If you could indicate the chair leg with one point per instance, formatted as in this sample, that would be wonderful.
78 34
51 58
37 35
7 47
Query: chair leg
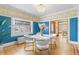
48 52
54 43
75 49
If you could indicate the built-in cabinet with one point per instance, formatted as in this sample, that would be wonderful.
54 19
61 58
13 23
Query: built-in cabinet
20 27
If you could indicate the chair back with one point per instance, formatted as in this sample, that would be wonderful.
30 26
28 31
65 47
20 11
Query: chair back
42 44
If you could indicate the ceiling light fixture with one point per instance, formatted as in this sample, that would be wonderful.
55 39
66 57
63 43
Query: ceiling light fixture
40 8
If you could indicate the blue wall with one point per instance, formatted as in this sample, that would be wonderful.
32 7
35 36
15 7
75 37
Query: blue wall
47 30
5 30
74 29
35 27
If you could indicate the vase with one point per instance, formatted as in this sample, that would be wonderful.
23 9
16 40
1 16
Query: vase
41 32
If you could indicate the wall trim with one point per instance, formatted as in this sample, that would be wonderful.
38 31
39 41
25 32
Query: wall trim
49 15
72 42
21 19
31 26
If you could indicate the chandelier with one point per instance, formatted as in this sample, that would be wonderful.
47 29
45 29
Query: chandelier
40 8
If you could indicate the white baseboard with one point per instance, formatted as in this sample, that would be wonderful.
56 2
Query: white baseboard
8 44
72 42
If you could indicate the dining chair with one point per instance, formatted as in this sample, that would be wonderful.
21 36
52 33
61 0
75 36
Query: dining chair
78 49
29 44
42 45
53 41
75 48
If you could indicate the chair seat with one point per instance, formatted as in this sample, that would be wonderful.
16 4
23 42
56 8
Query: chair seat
42 44
43 47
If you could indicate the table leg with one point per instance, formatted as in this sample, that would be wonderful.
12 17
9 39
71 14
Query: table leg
34 45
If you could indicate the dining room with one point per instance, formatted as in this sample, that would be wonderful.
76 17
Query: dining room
39 29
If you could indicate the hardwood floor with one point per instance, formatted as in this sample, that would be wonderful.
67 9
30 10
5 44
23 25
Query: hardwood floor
62 48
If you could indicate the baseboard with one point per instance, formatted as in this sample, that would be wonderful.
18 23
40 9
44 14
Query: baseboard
72 42
8 44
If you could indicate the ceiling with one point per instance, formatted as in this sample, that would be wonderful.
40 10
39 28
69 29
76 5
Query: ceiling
51 8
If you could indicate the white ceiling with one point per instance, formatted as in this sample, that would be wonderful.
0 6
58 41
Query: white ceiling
51 8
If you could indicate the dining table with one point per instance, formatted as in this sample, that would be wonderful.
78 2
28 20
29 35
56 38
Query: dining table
41 37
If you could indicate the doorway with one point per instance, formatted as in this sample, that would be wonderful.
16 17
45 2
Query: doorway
60 28
63 31
55 27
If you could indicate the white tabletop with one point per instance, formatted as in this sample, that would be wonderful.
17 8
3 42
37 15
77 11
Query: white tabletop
38 36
